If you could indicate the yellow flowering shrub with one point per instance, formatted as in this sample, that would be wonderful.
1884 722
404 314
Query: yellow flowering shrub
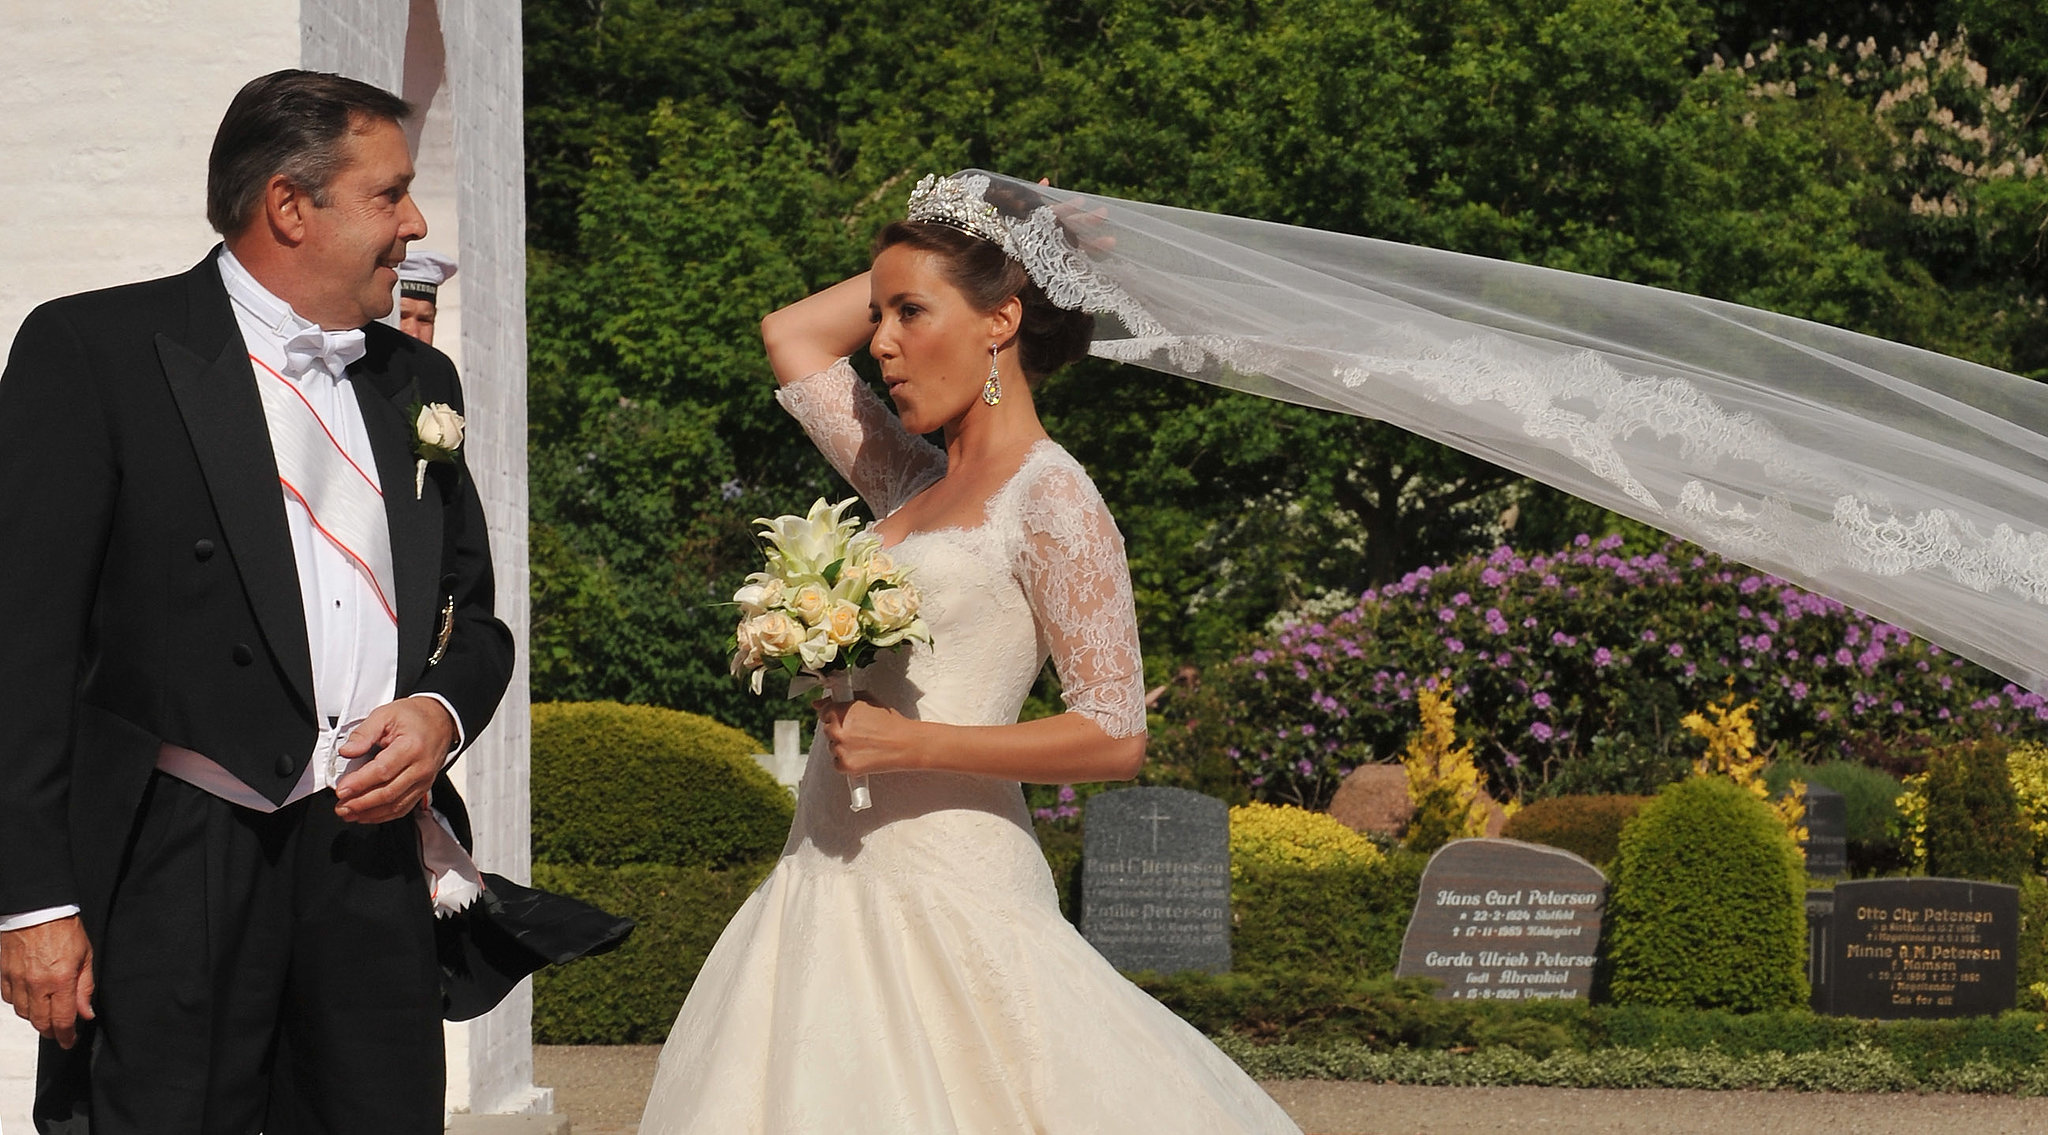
1913 818
1444 783
1731 752
2027 764
1280 835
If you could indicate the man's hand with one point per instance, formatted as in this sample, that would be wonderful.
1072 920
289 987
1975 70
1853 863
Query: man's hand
411 738
46 974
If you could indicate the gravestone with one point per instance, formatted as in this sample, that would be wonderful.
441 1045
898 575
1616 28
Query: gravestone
1922 948
1155 879
1827 832
1504 920
1820 932
786 763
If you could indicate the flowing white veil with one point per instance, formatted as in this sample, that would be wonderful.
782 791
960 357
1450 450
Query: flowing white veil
1904 483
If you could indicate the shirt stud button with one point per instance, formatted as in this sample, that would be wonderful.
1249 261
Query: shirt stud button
202 551
243 655
285 764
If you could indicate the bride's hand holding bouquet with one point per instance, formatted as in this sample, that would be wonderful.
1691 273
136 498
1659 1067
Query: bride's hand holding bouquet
827 600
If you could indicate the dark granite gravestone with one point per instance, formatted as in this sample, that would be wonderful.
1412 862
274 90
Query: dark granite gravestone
1827 832
1503 920
1922 948
1155 879
1820 932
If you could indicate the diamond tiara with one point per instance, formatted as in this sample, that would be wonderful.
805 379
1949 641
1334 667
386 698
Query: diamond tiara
957 202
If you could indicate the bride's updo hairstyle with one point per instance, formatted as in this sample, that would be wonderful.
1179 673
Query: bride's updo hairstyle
1048 337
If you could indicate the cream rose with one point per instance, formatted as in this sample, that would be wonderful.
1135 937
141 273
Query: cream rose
842 623
810 603
773 635
439 426
892 608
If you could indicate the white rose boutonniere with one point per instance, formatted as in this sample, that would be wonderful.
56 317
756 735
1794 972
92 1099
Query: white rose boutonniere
436 436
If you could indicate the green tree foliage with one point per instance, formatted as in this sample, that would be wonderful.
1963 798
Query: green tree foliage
694 166
1707 909
1974 826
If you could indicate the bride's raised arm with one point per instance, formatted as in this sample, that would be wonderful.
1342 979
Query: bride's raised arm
807 344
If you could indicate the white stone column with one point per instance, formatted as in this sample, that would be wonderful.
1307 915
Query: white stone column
494 1056
459 61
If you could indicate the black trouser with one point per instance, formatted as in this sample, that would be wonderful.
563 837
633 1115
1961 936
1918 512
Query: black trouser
270 973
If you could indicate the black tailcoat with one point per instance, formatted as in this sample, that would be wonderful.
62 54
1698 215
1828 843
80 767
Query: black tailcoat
148 591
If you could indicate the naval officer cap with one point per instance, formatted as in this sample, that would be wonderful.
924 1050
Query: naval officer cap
423 273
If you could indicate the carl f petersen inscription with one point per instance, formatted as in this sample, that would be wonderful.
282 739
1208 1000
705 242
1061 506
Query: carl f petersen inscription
1923 948
1155 879
1503 920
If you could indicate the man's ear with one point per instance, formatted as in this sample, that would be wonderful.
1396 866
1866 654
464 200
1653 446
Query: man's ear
285 206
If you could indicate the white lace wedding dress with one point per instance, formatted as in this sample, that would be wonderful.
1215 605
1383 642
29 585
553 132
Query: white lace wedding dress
906 969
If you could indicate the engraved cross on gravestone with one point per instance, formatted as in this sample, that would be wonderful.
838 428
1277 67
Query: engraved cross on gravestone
1155 879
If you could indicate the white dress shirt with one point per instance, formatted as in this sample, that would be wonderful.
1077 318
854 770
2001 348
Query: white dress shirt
353 640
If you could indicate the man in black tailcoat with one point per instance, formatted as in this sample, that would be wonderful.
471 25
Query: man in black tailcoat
245 623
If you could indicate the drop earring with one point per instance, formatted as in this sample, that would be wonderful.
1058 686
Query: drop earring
992 390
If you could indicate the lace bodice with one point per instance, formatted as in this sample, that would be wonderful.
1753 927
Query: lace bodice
1043 575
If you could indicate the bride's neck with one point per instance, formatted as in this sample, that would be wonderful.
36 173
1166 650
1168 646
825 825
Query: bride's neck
993 434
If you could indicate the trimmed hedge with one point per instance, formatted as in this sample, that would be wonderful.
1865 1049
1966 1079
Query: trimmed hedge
1587 826
1707 908
616 784
632 995
1318 1010
1851 1070
1343 918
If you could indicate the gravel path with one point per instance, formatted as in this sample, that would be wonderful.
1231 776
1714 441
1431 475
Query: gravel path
601 1090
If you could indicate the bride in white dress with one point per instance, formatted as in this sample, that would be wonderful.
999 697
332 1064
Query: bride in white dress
906 969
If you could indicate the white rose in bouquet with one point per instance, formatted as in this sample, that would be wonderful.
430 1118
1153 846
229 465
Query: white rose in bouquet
892 609
762 594
810 603
842 623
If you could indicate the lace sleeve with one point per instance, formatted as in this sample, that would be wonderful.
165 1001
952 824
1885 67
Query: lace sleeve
1080 588
884 462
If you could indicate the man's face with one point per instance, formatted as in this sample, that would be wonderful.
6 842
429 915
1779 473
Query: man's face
416 318
354 243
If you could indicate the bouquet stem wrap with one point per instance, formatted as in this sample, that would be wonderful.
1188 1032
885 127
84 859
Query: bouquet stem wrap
839 683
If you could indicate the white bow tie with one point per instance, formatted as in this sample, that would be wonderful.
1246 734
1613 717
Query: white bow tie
333 350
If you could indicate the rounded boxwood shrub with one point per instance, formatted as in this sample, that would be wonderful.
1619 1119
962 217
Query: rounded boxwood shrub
1277 835
617 784
1587 826
1708 904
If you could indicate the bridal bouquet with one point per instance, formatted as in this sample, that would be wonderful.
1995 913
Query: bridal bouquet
830 597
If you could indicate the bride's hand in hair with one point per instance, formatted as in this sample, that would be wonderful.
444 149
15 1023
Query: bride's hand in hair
1082 225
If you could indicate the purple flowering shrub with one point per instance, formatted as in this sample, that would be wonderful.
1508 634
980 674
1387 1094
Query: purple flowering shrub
1570 672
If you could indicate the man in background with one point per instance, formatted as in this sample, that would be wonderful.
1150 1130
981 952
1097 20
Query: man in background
419 283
